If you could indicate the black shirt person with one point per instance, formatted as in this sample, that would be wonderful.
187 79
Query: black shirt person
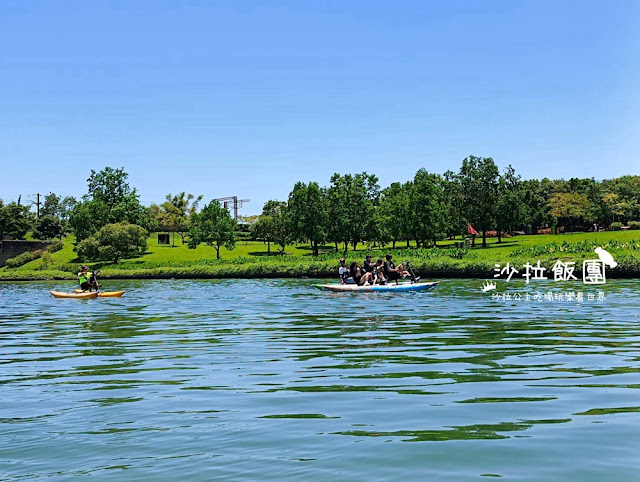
359 275
368 265
393 272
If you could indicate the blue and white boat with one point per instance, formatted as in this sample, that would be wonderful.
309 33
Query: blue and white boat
426 286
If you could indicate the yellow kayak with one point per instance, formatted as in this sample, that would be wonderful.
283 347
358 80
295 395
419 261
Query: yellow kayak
105 294
83 295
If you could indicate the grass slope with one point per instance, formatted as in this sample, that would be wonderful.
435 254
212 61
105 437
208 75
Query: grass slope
250 258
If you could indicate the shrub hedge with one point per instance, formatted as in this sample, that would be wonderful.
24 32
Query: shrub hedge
29 256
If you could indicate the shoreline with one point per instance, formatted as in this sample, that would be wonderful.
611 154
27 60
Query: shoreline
166 275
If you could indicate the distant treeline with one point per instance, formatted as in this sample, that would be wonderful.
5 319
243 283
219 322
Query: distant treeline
351 209
431 206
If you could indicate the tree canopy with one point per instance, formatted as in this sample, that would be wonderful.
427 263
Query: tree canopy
271 225
114 241
109 200
213 226
15 220
307 215
174 214
350 210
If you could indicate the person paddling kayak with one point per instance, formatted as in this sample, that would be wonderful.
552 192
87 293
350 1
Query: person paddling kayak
87 279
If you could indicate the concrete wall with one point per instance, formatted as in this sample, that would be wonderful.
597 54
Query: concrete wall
11 249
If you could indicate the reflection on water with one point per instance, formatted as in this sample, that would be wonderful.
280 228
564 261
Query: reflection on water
274 379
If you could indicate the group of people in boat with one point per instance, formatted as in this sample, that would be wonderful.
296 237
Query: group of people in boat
373 273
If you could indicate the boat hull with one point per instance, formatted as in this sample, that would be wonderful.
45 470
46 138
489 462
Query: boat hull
380 288
106 294
80 296
110 294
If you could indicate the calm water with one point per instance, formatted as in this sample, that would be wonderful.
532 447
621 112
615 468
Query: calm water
276 380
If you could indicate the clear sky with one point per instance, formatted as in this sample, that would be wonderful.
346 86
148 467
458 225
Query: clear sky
245 98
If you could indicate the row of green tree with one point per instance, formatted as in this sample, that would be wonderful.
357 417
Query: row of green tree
110 222
351 209
17 219
431 206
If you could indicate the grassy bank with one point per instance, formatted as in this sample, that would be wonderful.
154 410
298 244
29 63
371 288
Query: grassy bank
250 259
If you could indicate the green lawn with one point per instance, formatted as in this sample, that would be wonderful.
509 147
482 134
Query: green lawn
250 257
510 244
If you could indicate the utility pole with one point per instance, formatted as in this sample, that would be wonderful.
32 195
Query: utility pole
37 203
236 202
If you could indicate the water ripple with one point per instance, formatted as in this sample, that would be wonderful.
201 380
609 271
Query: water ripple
274 379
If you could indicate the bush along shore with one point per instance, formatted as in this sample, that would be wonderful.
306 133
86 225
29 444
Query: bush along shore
429 263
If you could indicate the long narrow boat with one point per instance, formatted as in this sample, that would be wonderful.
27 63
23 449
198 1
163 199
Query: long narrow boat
428 286
106 294
87 295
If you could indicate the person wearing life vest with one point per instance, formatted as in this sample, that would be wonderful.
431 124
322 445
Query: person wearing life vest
87 279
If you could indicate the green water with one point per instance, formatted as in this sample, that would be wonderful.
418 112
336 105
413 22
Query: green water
276 380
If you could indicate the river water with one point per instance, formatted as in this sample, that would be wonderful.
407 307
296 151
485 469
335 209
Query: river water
277 380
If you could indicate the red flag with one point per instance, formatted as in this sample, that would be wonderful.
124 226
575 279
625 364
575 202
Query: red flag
471 230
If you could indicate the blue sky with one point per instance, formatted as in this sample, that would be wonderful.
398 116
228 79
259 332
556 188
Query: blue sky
247 97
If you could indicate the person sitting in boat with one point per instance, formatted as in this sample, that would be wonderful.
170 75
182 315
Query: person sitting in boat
360 276
87 279
378 272
83 278
368 265
344 273
374 268
393 272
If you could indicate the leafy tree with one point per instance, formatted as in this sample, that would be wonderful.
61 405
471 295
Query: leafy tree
536 199
271 225
85 219
173 220
178 210
57 206
173 215
350 202
453 202
114 241
394 213
510 207
612 207
307 215
52 206
569 206
54 217
109 200
627 196
393 202
597 208
262 230
479 178
213 226
277 210
67 204
428 210
156 220
15 220
48 227
337 219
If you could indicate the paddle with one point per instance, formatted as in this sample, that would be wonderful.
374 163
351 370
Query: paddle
94 281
